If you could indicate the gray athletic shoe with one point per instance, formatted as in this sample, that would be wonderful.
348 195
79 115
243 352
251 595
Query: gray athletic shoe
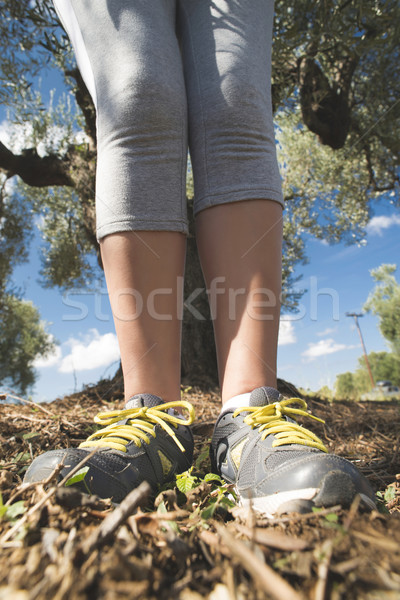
148 440
278 465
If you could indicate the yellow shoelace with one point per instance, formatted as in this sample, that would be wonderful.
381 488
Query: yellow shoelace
271 419
139 426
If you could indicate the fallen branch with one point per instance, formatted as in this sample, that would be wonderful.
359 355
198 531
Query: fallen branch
299 517
31 403
39 407
323 569
266 578
115 519
274 539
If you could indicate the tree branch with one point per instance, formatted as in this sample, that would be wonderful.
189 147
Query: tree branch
35 170
85 103
372 179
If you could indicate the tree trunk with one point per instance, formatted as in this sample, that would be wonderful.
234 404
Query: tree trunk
199 361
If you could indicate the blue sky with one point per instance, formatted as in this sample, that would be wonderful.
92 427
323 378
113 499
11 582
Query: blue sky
316 344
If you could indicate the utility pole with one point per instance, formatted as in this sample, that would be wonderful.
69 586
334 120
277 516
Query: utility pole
356 316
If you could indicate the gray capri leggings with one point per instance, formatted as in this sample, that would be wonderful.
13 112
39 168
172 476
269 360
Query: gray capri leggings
165 74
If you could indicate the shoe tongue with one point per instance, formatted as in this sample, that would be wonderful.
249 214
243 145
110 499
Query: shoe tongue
141 400
264 395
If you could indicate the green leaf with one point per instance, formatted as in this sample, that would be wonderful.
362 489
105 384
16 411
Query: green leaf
332 517
186 481
22 457
79 476
15 510
208 512
185 484
213 477
161 508
390 493
226 502
30 435
3 509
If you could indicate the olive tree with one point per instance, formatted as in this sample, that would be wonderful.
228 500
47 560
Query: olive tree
335 95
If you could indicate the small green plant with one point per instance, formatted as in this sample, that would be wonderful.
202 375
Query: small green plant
13 511
220 494
218 500
383 498
330 521
79 476
185 482
22 458
390 493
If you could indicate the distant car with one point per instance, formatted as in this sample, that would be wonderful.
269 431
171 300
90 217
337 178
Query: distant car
384 390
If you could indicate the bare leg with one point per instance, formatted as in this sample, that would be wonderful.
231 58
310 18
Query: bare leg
142 270
241 242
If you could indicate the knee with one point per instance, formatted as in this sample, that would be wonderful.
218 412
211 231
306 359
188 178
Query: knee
142 102
240 104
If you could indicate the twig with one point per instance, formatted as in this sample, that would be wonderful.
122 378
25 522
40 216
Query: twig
382 542
31 403
111 523
266 578
300 517
352 512
45 410
8 534
26 486
274 539
347 565
323 569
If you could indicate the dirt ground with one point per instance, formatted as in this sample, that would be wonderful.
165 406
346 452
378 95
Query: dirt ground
58 544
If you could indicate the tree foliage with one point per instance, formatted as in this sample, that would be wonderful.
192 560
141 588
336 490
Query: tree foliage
345 387
384 301
22 339
385 366
335 90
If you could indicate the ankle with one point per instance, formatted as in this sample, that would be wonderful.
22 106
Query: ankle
236 389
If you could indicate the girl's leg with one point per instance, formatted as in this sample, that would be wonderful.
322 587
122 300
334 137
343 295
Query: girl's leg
238 197
144 272
130 59
240 248
130 56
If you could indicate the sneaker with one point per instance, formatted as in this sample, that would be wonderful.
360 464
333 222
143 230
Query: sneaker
148 440
279 466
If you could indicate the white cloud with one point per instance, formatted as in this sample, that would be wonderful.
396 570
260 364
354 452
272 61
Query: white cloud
50 360
286 333
14 136
324 347
94 351
377 225
326 331
91 352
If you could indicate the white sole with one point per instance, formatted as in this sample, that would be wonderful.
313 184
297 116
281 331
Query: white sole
270 505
